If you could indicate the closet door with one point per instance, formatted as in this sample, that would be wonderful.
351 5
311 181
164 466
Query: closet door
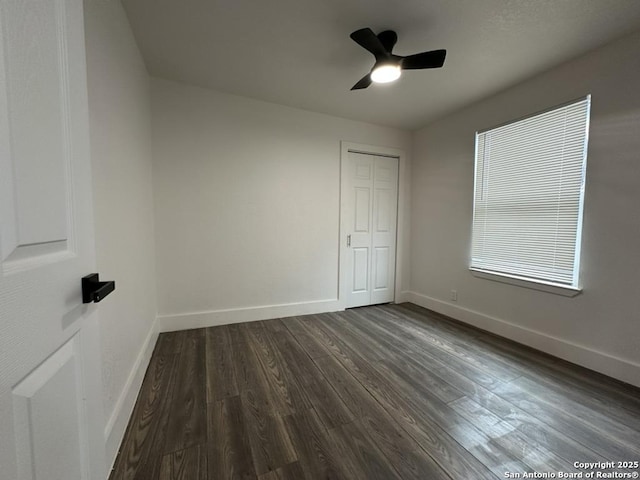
369 212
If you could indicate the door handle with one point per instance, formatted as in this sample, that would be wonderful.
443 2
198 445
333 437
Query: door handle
93 290
349 240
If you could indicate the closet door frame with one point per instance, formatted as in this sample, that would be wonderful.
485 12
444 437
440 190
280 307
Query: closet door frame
402 217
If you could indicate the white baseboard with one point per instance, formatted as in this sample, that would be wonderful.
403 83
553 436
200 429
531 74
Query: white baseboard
116 426
212 318
602 362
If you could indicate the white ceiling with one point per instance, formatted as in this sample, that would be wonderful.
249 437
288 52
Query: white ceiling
298 52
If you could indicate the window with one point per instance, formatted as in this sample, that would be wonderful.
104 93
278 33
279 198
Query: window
528 199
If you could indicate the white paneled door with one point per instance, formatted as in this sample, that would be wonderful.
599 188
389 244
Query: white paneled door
369 223
51 420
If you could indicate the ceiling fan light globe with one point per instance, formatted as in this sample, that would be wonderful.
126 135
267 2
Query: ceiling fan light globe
385 73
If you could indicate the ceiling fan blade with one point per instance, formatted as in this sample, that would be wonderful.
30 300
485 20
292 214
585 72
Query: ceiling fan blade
368 40
364 82
388 38
433 59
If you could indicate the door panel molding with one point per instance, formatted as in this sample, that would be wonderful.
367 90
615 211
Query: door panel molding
55 383
37 126
380 263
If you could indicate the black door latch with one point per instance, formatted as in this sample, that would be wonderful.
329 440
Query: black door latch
93 290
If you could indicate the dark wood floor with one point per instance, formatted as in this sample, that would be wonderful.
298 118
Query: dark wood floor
384 392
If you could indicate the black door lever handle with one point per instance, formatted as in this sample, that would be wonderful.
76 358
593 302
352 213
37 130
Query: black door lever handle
93 290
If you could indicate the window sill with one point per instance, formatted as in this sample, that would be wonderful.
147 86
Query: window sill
520 282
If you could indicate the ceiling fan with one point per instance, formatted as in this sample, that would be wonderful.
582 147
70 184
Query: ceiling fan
389 66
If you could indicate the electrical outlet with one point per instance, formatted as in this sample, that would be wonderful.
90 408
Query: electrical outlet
454 295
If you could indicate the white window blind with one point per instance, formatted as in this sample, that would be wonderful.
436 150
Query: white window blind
529 191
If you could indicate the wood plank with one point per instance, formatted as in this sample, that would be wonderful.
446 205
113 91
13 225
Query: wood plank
318 392
401 450
339 326
141 450
269 442
362 457
356 398
420 379
431 415
220 371
417 346
245 365
406 362
537 457
229 450
347 451
602 412
292 471
435 442
418 358
403 453
285 392
271 446
188 464
538 432
308 342
549 433
551 368
169 343
187 417
447 381
276 326
434 416
235 332
430 345
317 453
313 325
250 377
605 443
456 341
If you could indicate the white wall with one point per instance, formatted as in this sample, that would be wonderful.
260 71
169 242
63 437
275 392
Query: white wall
247 205
119 107
599 328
